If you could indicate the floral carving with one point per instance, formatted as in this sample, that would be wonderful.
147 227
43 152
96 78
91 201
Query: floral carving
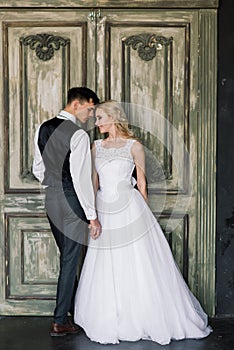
147 44
44 44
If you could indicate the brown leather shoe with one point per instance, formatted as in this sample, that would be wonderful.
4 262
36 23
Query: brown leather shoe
59 330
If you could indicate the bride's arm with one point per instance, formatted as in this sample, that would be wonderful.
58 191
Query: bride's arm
94 171
139 159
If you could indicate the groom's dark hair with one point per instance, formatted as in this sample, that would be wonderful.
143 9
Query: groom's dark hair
83 94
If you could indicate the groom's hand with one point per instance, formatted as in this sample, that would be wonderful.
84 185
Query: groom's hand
95 228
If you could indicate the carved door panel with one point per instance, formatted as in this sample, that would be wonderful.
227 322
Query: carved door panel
147 65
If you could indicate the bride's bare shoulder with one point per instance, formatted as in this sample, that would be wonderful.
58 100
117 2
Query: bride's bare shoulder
137 145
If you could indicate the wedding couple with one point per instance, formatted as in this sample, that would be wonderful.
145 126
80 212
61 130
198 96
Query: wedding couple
130 287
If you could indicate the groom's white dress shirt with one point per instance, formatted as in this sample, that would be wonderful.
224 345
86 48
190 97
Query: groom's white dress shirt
80 166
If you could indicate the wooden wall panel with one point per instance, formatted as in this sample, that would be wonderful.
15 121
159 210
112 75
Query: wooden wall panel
178 238
157 93
31 257
38 58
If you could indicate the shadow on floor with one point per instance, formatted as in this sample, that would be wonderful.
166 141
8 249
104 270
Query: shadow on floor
32 333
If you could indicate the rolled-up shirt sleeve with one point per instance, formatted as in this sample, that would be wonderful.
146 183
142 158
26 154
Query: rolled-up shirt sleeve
81 168
38 167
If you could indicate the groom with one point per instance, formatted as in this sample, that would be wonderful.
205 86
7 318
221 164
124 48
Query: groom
62 163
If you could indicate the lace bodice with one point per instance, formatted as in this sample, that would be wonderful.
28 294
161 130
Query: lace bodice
114 166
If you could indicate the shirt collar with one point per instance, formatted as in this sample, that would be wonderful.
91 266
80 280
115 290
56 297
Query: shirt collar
66 115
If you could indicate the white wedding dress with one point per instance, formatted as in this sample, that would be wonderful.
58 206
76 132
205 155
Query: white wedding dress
130 287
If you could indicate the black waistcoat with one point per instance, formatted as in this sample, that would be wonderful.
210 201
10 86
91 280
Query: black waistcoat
54 144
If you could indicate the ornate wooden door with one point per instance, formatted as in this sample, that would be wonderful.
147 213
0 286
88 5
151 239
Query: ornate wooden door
157 62
153 61
43 55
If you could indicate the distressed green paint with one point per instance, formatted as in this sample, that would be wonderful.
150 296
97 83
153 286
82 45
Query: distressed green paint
26 237
177 240
207 159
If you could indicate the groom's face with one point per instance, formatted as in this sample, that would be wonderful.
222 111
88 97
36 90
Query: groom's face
85 111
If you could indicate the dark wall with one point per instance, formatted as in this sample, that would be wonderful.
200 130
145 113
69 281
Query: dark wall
225 161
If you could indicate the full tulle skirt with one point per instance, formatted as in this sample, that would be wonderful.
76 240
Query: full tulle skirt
130 286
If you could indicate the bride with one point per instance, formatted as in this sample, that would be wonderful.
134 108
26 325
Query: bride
130 286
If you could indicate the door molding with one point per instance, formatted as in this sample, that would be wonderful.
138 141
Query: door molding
112 4
206 161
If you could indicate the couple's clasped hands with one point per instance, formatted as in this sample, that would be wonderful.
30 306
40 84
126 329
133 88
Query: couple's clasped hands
95 228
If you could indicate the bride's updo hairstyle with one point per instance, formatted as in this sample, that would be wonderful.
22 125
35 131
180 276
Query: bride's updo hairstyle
114 109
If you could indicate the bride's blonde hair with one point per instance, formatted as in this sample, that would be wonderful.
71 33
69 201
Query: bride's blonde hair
114 109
